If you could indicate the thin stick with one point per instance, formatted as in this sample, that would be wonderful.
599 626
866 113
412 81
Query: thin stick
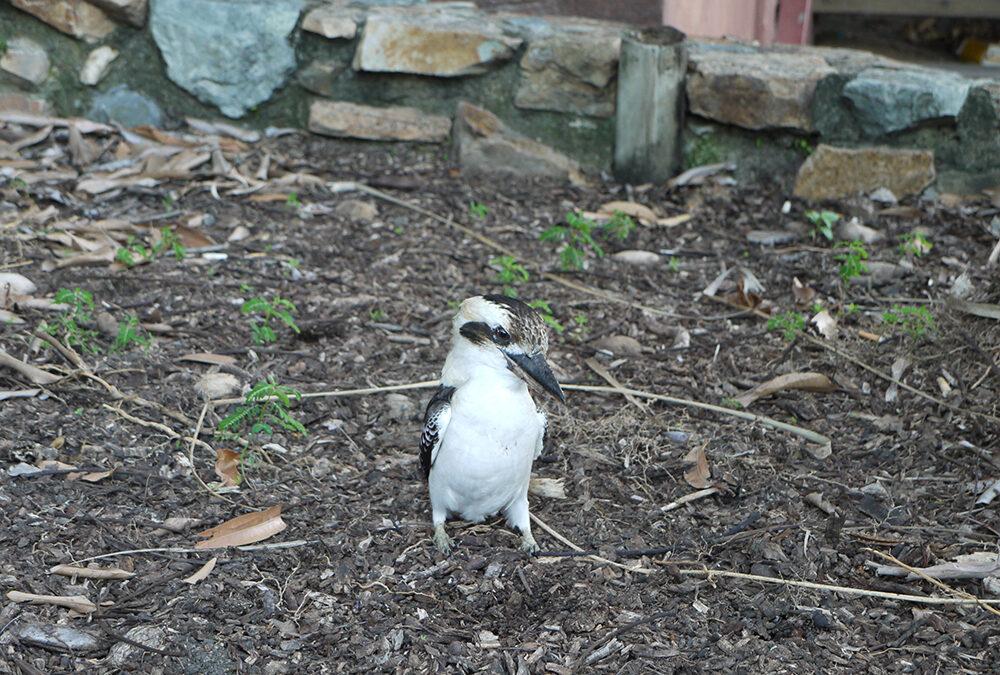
937 582
610 379
156 425
194 469
426 384
710 574
542 524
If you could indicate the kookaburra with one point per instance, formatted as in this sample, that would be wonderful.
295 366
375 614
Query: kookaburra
482 429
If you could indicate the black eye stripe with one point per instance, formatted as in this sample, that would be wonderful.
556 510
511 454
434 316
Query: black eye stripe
477 332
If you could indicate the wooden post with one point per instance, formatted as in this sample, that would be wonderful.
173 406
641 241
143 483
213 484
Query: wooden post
650 105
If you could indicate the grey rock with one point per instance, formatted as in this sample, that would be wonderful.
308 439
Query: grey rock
485 145
833 173
770 237
230 53
887 100
350 120
123 654
25 61
126 107
570 73
320 77
755 91
133 12
55 637
414 41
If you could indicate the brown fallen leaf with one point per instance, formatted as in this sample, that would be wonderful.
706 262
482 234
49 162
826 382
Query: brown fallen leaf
78 603
227 467
805 381
245 529
211 359
202 572
190 238
91 572
35 375
803 293
637 211
698 476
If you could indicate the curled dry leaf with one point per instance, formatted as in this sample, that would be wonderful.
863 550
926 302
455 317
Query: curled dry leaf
202 572
211 359
825 324
698 476
245 529
819 501
805 381
803 293
227 467
77 603
638 211
15 284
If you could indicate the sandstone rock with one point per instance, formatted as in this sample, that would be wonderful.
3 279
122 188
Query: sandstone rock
331 22
885 100
319 77
754 90
833 173
570 73
486 145
79 19
11 101
442 44
250 54
26 61
350 120
128 108
132 12
97 64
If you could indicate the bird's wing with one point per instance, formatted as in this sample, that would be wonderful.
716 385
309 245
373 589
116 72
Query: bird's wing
436 419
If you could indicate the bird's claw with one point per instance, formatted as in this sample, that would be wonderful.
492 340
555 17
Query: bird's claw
441 540
528 544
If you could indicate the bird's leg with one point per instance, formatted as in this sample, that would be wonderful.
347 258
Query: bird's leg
441 539
517 515
528 544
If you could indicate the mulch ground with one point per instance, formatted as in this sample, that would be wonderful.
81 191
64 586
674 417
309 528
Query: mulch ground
354 583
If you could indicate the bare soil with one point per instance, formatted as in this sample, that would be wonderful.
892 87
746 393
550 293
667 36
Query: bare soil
359 586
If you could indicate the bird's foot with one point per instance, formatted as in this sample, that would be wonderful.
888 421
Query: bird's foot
528 544
441 539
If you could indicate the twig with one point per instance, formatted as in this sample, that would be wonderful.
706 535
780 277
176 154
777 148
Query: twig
156 425
138 645
542 524
582 659
681 501
937 582
610 379
194 469
710 574
426 384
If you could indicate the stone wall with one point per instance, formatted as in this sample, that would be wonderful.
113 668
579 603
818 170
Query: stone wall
397 71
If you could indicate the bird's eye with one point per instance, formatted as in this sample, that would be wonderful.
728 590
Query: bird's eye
501 336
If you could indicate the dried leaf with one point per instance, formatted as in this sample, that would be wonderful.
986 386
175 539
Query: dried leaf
91 572
77 603
227 467
217 385
698 476
93 476
978 565
202 572
245 529
983 309
35 375
6 394
991 493
192 238
638 211
817 500
804 381
825 324
211 359
803 293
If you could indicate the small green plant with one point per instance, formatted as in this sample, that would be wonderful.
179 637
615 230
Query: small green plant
167 203
545 312
575 235
292 201
851 265
290 266
823 222
134 252
674 264
127 334
265 407
477 211
511 273
788 324
581 327
915 244
915 321
275 308
377 314
802 146
619 227
732 403
67 326
169 240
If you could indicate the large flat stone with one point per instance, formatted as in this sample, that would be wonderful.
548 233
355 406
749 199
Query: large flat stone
79 19
835 173
754 90
350 120
11 101
426 42
570 73
332 22
229 54
887 100
26 61
485 145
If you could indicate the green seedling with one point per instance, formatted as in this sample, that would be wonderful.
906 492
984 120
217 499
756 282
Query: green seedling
803 146
67 326
915 244
915 321
575 235
377 314
275 308
134 252
127 334
789 325
545 312
265 407
581 327
823 222
292 201
851 265
167 203
619 227
674 264
511 273
477 211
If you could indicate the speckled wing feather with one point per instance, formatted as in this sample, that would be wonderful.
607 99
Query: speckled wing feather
435 422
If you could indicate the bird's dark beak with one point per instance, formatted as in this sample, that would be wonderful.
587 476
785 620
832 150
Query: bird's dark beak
537 368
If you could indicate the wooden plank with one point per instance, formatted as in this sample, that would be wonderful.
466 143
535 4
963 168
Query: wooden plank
957 8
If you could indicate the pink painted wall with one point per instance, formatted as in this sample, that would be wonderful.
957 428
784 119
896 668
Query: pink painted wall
747 19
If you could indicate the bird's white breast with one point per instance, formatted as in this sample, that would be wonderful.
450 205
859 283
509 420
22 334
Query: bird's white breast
484 463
